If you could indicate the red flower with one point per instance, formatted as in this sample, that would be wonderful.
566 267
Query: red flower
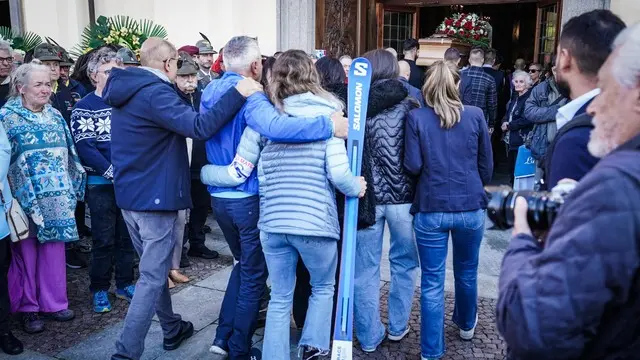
468 25
448 22
459 23
477 37
452 32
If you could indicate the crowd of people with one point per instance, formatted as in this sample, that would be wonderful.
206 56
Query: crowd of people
149 144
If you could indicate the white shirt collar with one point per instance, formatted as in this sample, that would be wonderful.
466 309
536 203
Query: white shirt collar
158 73
568 112
6 81
487 65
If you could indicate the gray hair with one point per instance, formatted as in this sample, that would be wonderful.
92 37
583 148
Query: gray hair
101 57
626 66
22 75
6 46
525 75
240 52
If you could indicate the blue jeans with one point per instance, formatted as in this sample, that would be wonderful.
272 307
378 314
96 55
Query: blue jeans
403 256
238 220
111 241
321 258
153 235
432 234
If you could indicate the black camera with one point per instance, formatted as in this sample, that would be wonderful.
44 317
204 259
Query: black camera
542 210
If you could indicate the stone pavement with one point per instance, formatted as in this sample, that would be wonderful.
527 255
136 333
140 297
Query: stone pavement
91 336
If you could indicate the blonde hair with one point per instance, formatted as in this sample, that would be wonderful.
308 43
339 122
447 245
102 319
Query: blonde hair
442 94
294 73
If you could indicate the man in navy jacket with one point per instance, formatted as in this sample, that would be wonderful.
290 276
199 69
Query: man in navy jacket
152 181
577 295
584 45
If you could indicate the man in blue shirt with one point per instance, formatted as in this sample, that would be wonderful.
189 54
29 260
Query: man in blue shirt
237 209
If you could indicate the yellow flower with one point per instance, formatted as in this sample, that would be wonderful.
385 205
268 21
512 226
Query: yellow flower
87 50
124 31
113 33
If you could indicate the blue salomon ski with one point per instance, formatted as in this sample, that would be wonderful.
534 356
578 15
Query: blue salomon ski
359 83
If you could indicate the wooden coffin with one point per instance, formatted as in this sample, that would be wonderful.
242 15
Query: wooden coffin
432 49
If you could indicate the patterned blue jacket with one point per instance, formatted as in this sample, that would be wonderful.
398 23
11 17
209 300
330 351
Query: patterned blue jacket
45 174
91 130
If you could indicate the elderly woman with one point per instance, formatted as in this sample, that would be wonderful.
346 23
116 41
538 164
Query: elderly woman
514 124
91 130
47 179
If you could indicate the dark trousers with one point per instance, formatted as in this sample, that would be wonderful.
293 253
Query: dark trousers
198 215
80 218
5 307
111 240
302 292
238 220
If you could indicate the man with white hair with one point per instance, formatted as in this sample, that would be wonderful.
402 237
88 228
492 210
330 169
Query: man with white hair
576 295
6 65
149 127
237 209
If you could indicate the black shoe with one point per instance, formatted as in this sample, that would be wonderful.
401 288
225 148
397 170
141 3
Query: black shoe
74 261
31 323
255 354
10 345
203 252
206 229
311 353
186 331
184 260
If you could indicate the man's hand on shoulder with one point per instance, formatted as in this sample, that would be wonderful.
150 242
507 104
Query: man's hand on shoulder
340 125
247 87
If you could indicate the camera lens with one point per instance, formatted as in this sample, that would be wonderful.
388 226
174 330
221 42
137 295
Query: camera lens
542 207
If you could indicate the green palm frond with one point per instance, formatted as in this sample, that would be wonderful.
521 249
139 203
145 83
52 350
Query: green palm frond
24 42
121 21
149 29
6 33
29 41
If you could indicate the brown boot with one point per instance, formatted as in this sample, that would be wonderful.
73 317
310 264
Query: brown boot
176 276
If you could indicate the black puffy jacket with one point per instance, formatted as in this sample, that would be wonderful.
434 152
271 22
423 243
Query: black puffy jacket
367 204
387 111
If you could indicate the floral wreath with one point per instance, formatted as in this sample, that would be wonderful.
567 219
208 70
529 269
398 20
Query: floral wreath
469 28
121 31
25 42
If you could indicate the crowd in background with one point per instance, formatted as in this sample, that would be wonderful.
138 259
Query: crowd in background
150 144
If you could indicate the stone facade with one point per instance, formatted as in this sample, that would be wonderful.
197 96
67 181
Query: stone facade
296 24
572 8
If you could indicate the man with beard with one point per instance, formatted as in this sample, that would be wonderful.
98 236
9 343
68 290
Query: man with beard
205 61
584 45
576 295
6 65
187 87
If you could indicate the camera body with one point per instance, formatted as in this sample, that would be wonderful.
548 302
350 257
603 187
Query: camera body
542 210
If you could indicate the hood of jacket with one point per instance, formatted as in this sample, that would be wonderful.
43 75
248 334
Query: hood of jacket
309 105
15 106
124 84
385 94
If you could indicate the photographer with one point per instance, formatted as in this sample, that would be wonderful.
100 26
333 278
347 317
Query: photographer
576 296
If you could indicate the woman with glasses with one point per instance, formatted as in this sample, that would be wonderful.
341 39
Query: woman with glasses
91 129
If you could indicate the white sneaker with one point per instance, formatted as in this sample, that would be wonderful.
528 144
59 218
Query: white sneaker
218 350
399 337
468 334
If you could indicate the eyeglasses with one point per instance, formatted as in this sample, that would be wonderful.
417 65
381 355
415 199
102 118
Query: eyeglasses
178 63
533 70
7 60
